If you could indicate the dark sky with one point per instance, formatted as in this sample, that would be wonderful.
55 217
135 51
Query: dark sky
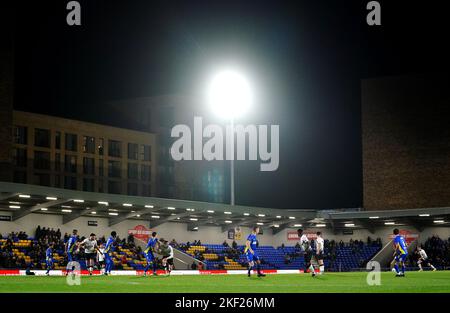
307 58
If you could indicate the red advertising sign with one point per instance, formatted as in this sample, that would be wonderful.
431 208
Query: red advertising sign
293 235
140 232
408 235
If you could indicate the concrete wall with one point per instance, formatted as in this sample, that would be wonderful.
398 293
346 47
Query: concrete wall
180 233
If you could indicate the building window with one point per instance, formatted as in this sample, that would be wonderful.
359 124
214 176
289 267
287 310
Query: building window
133 150
58 181
20 157
20 177
88 184
20 135
114 187
88 144
146 152
42 160
42 138
101 143
146 190
58 140
145 172
132 189
70 163
100 167
114 148
114 168
71 142
132 171
101 187
41 179
70 182
89 166
57 162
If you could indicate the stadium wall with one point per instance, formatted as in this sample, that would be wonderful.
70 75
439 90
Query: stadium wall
206 234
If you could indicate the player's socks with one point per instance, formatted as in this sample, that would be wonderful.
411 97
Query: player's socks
396 268
322 269
154 267
249 270
258 269
311 270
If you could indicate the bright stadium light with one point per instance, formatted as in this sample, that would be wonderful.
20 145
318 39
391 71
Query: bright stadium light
24 196
229 95
51 198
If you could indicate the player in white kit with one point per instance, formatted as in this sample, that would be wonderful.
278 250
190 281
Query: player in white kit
90 251
320 249
423 259
307 251
167 260
101 258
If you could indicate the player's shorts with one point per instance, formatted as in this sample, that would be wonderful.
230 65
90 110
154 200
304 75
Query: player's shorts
90 256
318 256
149 256
252 257
169 261
49 262
107 257
70 257
424 261
307 255
401 257
101 263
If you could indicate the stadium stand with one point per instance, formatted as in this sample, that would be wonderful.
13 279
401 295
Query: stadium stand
339 257
19 250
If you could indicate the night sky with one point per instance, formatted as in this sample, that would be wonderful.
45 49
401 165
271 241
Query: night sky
307 59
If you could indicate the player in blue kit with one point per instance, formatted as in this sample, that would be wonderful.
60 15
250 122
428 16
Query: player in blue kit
250 252
71 244
400 253
49 258
148 253
107 253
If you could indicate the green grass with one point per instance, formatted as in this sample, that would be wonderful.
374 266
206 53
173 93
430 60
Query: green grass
432 282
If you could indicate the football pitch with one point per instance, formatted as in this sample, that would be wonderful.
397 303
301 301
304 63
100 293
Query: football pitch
355 282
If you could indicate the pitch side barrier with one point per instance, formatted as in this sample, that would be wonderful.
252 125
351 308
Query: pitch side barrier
18 272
